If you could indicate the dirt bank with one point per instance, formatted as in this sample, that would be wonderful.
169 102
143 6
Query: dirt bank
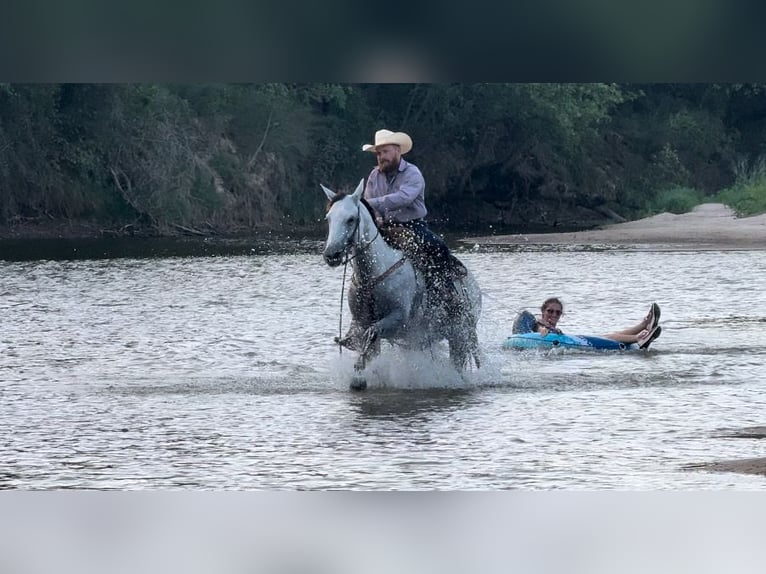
708 226
43 229
745 465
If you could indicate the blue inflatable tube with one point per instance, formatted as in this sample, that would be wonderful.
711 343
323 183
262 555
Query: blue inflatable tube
521 341
525 337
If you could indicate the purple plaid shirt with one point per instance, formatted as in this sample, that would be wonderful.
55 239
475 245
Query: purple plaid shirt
401 199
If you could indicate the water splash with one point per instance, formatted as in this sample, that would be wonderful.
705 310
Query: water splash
398 368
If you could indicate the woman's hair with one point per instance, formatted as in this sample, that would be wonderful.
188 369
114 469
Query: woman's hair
549 301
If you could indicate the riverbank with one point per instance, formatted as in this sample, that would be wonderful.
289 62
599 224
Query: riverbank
76 230
744 466
708 226
39 229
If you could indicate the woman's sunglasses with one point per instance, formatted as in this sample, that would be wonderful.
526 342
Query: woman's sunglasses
554 311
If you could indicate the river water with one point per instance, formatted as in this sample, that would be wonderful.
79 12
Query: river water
165 370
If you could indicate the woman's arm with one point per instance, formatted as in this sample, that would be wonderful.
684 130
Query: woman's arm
544 329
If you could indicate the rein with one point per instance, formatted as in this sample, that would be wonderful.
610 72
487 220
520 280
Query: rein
340 315
375 280
359 234
367 289
345 267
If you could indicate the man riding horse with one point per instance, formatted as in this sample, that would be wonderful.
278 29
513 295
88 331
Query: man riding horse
387 296
396 192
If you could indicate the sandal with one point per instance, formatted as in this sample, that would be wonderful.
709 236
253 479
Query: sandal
655 313
646 339
653 318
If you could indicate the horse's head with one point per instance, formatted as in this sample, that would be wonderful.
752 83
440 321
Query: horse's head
343 223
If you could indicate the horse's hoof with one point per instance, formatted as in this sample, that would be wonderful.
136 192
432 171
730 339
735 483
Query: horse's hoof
358 383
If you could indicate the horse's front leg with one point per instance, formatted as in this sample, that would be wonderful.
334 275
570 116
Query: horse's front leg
369 348
370 344
383 328
370 339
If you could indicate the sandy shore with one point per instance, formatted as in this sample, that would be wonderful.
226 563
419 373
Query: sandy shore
745 465
708 226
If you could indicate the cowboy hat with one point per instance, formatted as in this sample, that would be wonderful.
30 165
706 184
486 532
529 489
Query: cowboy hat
386 137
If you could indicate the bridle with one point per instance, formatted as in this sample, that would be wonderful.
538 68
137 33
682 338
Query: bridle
358 231
373 282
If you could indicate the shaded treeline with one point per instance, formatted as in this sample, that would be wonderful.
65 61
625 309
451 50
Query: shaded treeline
235 158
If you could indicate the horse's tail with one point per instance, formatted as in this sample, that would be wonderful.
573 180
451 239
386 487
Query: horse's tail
464 348
465 340
474 348
476 305
473 338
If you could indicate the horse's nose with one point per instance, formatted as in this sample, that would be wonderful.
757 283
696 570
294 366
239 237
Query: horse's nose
334 258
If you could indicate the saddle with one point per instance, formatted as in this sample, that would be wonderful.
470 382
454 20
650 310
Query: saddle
425 256
439 267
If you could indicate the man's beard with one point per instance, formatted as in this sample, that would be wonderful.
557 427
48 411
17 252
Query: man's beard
389 167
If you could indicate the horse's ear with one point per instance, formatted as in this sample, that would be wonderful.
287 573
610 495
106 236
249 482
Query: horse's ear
328 192
357 195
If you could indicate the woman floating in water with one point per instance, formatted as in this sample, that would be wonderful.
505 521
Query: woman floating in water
643 333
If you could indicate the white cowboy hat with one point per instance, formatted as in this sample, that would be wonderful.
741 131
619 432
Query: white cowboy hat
386 137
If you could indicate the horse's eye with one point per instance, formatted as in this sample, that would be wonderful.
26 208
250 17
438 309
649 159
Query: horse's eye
350 220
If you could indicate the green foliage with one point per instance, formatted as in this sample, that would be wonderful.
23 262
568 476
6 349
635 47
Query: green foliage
748 194
229 168
676 200
33 181
502 144
573 110
664 169
203 194
241 156
325 98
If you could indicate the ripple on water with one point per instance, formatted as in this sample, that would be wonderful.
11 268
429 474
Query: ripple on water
220 373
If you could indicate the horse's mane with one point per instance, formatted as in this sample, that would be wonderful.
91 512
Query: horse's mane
342 195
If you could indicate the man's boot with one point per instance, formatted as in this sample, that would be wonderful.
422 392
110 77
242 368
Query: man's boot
350 339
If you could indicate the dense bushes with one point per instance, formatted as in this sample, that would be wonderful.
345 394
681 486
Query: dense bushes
676 200
239 157
748 194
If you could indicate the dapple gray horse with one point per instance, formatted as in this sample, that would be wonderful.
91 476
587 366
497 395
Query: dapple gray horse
388 297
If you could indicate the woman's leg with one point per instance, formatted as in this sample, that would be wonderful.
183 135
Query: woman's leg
634 333
626 337
635 329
